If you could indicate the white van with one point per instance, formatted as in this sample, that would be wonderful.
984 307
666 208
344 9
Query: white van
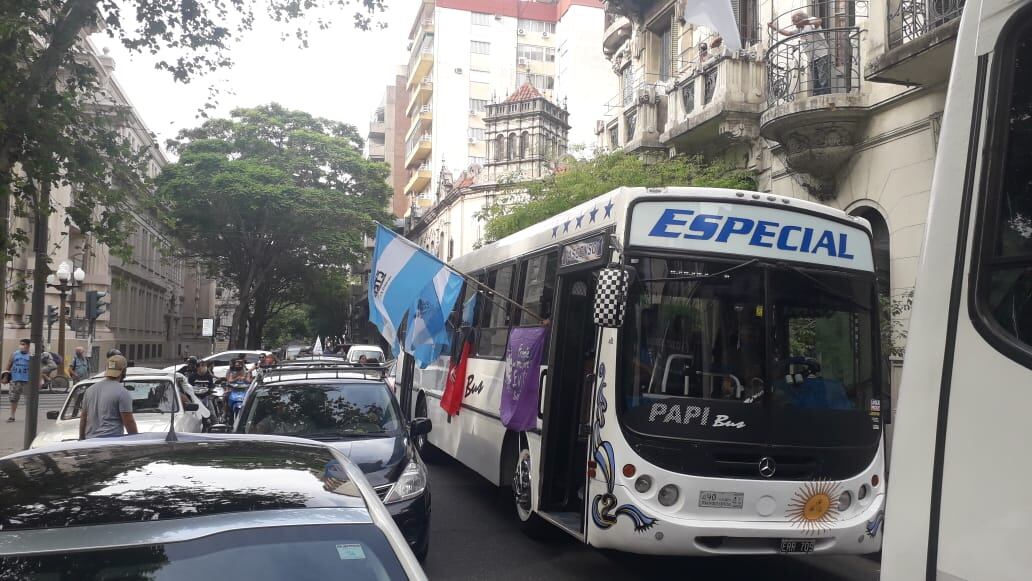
958 505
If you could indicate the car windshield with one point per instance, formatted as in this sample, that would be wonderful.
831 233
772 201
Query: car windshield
705 337
358 552
335 410
149 396
370 355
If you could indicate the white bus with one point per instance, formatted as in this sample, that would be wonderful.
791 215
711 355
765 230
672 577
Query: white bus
958 505
736 408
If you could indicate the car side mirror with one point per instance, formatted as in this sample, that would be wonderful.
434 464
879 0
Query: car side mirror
611 297
420 427
52 415
191 407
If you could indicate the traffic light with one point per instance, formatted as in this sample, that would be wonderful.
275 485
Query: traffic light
51 315
94 306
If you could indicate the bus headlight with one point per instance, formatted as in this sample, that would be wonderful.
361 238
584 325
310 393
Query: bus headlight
410 484
844 500
668 495
862 493
643 483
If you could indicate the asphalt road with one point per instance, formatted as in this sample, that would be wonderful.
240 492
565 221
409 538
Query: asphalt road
12 434
473 536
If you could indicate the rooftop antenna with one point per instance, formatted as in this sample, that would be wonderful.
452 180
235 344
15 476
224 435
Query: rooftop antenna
171 436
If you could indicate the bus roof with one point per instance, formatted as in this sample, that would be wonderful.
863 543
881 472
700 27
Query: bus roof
609 209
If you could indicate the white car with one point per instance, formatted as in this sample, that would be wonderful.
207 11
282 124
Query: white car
219 362
373 353
153 403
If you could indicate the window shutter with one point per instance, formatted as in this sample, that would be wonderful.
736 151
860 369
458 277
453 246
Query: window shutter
675 38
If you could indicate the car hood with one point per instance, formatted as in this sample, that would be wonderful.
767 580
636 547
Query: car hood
381 459
68 430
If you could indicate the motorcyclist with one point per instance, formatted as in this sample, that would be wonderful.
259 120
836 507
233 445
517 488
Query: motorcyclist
238 372
203 382
191 365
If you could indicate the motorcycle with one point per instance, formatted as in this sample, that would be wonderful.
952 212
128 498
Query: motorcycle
238 389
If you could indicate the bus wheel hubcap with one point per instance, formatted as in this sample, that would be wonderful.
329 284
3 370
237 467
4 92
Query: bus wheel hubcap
521 485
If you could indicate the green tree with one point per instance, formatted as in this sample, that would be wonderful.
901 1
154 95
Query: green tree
270 196
523 204
293 322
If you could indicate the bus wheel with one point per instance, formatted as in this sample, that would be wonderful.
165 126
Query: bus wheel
422 444
521 486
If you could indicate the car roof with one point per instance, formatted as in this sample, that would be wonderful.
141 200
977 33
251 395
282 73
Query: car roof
323 378
143 477
140 373
367 348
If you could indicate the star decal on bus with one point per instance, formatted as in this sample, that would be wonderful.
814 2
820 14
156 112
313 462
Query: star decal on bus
609 209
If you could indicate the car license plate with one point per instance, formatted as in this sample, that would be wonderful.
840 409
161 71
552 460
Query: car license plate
796 545
711 499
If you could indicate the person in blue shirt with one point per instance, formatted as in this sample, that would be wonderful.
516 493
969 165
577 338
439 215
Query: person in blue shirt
18 366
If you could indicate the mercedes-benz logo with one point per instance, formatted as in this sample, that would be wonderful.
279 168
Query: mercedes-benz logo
768 467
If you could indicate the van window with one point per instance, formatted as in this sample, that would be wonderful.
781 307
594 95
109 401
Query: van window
493 314
1005 273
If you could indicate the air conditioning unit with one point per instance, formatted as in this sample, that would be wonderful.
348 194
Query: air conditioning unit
521 32
521 61
544 34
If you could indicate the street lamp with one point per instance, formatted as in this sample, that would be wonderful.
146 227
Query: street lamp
66 280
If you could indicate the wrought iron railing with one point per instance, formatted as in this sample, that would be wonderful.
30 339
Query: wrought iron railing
909 19
813 63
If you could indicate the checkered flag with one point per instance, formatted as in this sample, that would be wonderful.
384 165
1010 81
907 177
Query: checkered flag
611 297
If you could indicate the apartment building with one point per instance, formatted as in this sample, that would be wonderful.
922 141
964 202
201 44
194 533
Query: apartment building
468 54
157 301
386 138
845 111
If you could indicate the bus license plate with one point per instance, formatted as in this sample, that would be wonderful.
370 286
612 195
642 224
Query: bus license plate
711 499
796 545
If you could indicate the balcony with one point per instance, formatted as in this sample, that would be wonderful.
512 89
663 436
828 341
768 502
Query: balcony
421 94
421 61
419 178
616 34
716 105
417 148
376 128
921 37
377 151
421 121
814 106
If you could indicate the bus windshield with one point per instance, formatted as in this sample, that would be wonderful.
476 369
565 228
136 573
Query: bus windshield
749 351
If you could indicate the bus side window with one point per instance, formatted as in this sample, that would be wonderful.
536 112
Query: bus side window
537 288
493 314
1004 264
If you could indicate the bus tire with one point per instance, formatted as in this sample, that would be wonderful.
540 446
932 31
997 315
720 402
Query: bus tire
517 478
422 443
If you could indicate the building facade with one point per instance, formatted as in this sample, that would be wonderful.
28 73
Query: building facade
386 140
839 101
157 301
467 54
526 135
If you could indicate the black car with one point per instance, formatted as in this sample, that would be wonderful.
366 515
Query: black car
352 409
203 507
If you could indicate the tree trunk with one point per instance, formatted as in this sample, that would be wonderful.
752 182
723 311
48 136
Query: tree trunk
39 287
238 332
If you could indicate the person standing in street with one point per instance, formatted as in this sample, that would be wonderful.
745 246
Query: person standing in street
107 407
80 367
18 366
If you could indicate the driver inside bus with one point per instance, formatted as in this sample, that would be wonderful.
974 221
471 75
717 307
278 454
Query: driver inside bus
804 387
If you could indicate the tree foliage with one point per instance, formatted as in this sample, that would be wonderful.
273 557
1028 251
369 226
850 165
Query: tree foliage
271 199
526 203
58 123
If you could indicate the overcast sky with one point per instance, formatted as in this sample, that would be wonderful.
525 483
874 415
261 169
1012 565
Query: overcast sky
341 75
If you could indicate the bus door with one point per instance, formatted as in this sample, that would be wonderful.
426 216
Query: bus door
569 387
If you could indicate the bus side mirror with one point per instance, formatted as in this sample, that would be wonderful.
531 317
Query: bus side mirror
611 297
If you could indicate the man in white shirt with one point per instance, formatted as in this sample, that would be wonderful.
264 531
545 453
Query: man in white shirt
816 47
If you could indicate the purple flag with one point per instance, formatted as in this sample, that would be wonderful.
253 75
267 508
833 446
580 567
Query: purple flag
522 383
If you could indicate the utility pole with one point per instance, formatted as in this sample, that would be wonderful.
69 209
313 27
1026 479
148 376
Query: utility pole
39 287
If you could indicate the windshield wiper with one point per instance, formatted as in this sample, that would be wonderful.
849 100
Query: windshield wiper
336 435
744 264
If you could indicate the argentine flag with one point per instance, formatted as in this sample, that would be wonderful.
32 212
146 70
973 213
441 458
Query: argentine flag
406 283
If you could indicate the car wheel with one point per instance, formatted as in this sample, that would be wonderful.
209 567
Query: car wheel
520 488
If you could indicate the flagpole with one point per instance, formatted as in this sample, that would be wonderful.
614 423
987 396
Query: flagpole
468 278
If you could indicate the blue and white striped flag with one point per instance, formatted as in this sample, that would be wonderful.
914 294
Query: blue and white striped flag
406 282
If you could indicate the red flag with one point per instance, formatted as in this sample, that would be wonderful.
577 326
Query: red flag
455 388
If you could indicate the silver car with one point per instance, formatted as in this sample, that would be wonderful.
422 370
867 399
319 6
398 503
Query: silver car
203 507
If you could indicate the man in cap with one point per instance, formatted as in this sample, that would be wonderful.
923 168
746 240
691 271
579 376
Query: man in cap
107 407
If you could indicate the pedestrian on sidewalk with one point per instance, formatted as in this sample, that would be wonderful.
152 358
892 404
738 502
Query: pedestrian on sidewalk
107 407
80 367
18 366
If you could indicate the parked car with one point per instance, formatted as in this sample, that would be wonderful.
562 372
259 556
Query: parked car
372 353
208 506
219 362
153 401
353 410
